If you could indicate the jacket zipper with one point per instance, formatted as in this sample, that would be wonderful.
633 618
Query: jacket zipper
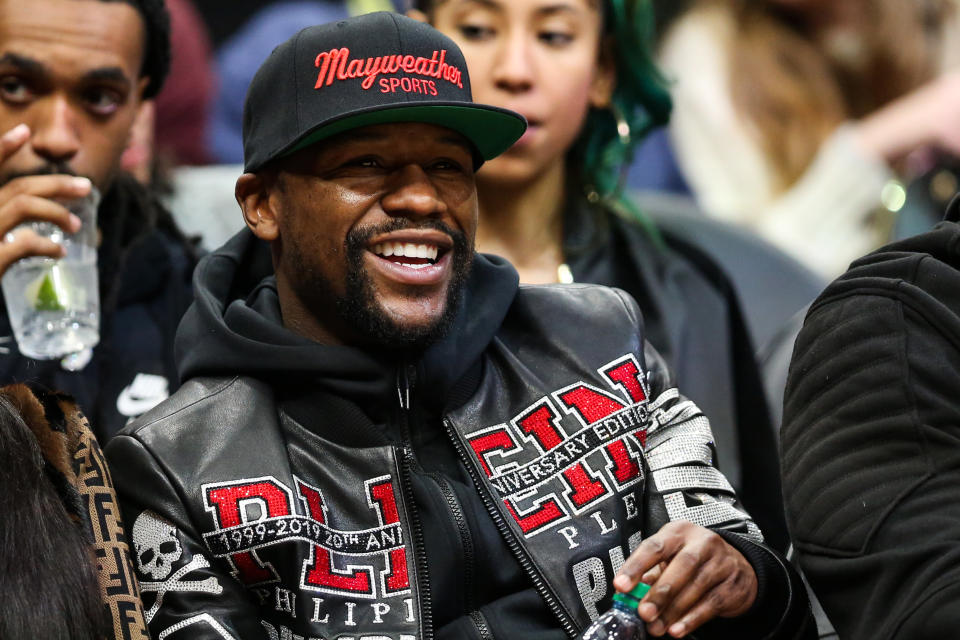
469 556
404 387
513 544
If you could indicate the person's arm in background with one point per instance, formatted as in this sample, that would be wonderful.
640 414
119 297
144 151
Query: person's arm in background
822 219
871 456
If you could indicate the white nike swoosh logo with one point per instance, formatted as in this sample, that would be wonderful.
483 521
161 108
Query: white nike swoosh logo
131 405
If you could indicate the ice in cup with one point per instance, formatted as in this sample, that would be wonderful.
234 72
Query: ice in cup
54 305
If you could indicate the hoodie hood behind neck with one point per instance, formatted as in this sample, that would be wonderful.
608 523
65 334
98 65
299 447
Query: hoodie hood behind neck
234 327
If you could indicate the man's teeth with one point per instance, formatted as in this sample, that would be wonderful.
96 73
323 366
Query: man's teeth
408 250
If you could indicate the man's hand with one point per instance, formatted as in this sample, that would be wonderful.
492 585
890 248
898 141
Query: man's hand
694 576
33 198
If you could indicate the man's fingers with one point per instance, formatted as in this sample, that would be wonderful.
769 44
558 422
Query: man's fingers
654 574
686 568
700 587
718 602
23 242
62 187
659 547
12 140
724 585
700 614
692 572
24 208
26 243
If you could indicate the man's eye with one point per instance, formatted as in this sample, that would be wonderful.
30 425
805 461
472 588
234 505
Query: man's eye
102 101
555 38
446 165
364 163
357 166
13 89
475 32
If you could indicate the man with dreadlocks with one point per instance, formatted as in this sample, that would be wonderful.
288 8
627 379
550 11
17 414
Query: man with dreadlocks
73 75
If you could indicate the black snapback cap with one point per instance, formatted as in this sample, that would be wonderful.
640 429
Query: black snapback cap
371 69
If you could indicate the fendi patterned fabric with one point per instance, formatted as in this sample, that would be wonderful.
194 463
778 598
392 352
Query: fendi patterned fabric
76 466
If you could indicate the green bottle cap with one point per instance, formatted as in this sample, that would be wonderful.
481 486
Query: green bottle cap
640 590
634 596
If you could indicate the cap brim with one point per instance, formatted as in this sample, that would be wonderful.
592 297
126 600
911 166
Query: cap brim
491 130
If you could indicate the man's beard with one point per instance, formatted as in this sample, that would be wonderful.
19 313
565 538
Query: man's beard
359 309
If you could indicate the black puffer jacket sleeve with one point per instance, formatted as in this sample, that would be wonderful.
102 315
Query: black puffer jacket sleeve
871 444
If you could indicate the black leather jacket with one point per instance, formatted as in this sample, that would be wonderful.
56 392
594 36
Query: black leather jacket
265 507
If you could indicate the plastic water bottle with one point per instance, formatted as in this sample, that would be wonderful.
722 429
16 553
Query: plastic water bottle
621 621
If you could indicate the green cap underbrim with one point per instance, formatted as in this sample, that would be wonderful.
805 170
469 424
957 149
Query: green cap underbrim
491 130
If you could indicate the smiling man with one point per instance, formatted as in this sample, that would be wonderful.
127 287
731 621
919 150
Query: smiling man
358 260
384 436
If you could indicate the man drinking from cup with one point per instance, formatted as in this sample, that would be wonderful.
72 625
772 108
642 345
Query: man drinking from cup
73 77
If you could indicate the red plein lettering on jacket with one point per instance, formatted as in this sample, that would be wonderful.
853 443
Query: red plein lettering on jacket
563 477
226 502
258 513
336 65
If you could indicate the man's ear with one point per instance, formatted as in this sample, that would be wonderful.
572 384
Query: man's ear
141 89
605 79
137 158
416 14
253 195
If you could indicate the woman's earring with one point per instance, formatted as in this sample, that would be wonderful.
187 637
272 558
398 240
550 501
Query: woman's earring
626 143
623 127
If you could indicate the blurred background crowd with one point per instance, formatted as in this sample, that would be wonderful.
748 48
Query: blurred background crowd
826 128
802 135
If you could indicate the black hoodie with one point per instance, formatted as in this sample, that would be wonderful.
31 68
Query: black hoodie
871 442
235 328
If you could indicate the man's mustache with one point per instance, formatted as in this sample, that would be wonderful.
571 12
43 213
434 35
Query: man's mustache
47 169
357 238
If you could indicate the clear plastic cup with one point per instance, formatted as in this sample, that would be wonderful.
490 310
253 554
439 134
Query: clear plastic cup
54 305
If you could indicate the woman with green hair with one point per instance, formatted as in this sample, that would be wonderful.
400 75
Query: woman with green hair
581 72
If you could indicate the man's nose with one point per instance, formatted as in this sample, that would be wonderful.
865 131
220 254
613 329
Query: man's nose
412 193
56 136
